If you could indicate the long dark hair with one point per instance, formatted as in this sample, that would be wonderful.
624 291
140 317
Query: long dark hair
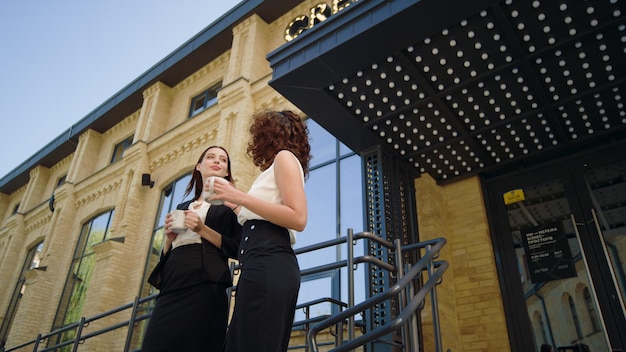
196 182
273 131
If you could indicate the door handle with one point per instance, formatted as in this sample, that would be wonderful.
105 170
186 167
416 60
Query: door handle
594 215
593 286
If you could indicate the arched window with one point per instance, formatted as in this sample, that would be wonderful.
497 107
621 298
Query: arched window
591 310
575 318
33 257
171 196
70 308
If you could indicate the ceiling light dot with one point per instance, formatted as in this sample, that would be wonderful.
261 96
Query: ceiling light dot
477 46
593 22
435 51
459 54
398 68
340 95
349 103
471 34
344 81
406 78
520 26
363 98
418 59
383 75
427 41
452 43
368 82
546 29
413 86
391 84
366 119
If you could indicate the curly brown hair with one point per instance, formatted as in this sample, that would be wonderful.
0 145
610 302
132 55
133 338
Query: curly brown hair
273 131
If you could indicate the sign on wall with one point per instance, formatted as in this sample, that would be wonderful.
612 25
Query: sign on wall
548 255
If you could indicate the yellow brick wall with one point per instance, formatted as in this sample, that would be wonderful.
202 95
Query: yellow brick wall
470 303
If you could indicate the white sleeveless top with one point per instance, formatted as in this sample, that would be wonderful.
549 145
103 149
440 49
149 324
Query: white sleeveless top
265 187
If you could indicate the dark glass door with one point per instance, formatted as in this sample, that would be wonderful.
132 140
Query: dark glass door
560 239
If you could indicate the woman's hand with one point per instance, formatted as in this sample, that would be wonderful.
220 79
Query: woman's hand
170 235
193 221
229 194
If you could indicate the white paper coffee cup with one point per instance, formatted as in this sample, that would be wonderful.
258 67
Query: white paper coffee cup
210 192
178 221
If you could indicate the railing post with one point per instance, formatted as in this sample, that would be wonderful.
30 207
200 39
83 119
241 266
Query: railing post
402 302
37 343
434 303
131 324
79 331
350 270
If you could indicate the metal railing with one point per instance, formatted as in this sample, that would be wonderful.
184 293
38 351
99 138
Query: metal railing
410 302
84 322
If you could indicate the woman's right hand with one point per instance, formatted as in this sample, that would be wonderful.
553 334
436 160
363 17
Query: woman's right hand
170 235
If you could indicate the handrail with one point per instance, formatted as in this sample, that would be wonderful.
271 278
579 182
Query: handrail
84 322
407 310
393 291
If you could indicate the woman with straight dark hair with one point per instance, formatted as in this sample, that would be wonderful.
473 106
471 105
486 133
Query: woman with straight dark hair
270 212
191 311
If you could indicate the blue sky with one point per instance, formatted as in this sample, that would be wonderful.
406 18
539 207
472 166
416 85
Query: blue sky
63 58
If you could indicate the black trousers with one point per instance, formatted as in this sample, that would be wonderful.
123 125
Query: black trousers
267 290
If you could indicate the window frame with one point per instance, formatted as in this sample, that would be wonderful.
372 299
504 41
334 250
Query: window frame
120 148
204 100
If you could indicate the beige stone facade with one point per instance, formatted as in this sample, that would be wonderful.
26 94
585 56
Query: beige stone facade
166 144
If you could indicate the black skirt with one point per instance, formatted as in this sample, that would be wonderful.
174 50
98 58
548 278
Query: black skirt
190 314
267 290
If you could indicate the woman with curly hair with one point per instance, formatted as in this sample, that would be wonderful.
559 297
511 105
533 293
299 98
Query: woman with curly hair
270 212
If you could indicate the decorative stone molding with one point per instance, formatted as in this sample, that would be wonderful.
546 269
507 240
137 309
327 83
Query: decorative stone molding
132 118
100 192
180 150
213 65
37 223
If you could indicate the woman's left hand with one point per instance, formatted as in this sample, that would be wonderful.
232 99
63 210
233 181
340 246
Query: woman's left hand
229 194
193 222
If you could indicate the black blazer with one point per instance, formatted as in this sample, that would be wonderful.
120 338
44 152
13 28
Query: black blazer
215 260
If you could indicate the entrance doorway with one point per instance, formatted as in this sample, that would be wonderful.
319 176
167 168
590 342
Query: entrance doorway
559 235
